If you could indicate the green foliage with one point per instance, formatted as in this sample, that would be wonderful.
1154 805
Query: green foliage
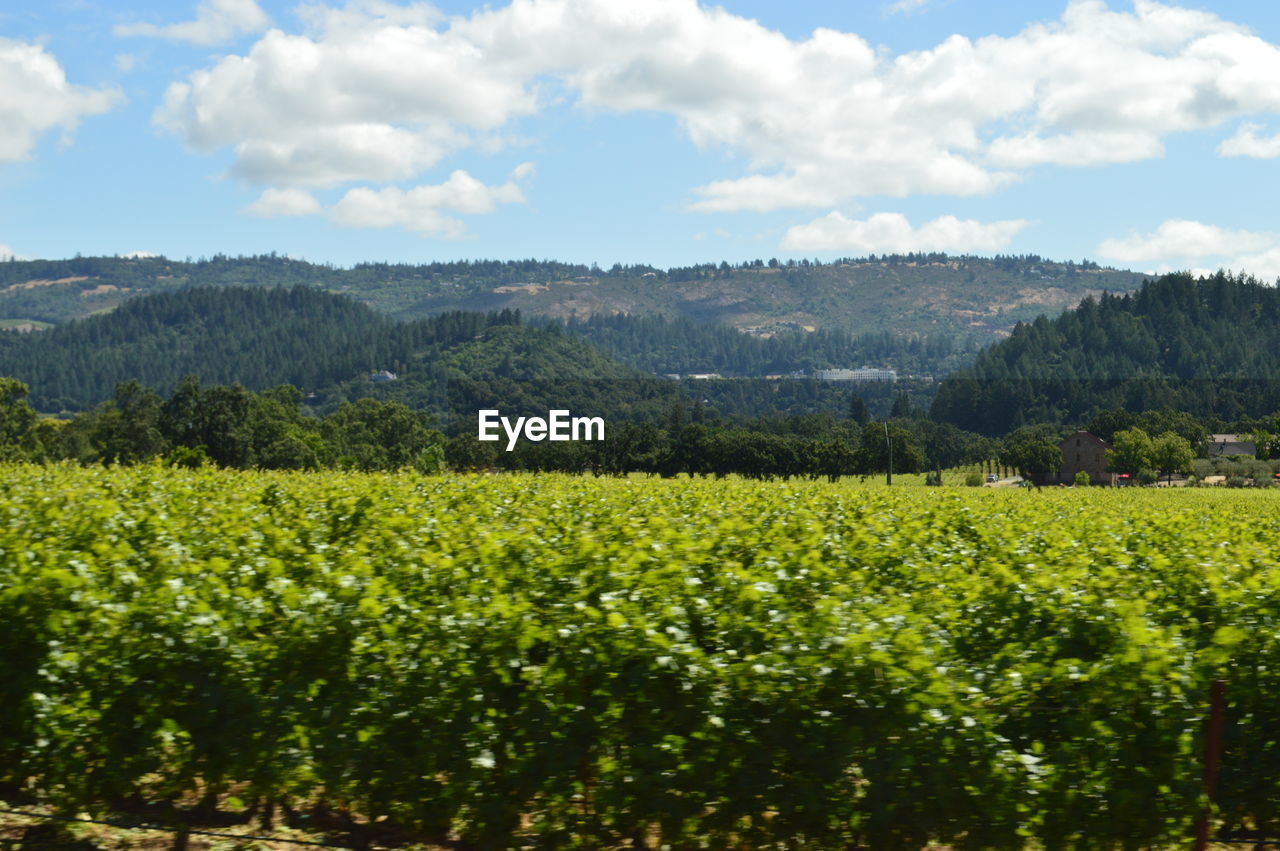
1033 451
465 454
683 345
1081 479
371 435
16 419
258 337
1106 424
1131 451
858 409
1208 347
189 457
973 479
1171 453
883 442
547 661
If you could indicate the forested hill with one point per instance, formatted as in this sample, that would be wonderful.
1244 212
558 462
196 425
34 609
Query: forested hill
969 301
262 337
662 345
1210 347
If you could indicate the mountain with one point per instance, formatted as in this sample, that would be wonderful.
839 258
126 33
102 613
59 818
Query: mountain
967 301
1207 346
320 342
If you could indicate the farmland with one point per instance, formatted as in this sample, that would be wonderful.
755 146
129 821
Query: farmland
498 661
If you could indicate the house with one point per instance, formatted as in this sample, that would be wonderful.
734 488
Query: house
1087 452
383 375
1230 444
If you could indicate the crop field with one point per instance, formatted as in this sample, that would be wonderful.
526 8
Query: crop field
545 661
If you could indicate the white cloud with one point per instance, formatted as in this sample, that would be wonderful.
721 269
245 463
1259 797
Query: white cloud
423 209
1262 264
35 97
375 92
892 233
274 203
1185 240
1247 143
1076 149
139 255
1201 248
7 253
125 62
216 22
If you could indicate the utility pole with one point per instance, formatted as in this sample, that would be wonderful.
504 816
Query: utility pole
888 476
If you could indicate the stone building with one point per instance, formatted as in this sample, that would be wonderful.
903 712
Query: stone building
1087 452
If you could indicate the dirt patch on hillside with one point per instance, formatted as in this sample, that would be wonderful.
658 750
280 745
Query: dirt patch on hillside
102 289
522 288
45 282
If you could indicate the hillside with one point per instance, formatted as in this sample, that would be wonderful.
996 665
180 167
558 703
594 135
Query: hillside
264 336
969 301
1210 347
966 300
663 345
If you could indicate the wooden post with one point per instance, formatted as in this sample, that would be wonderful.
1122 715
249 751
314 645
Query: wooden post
1212 753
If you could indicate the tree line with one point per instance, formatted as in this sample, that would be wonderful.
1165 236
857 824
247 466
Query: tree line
222 425
232 426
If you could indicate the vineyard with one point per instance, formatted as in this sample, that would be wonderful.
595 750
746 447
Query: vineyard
520 661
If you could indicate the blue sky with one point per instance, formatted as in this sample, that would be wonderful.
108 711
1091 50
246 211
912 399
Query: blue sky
1142 135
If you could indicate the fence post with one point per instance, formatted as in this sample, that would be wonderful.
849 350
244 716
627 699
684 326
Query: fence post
1212 753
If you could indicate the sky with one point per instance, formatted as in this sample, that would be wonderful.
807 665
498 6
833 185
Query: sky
1142 135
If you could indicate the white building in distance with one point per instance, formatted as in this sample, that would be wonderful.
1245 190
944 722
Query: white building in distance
866 373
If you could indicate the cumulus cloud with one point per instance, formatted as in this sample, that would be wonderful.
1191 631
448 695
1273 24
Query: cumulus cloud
376 92
1247 143
139 254
7 253
275 203
216 22
423 209
892 233
1261 264
1186 240
1198 247
428 209
35 97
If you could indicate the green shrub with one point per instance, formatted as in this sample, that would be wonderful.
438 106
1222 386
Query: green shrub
192 458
